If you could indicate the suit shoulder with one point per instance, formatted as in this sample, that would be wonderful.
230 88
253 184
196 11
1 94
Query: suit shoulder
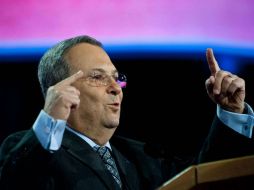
9 143
125 142
18 140
13 139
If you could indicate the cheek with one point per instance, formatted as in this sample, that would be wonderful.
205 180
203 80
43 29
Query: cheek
121 97
91 100
90 107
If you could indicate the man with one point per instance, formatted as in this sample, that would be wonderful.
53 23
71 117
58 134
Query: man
83 96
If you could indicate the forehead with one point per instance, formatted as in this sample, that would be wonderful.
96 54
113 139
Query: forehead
86 57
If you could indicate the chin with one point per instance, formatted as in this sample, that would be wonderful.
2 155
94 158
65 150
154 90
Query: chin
113 124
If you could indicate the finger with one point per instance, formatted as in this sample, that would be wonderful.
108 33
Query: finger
72 78
219 76
237 84
209 84
75 101
71 89
226 82
212 63
70 100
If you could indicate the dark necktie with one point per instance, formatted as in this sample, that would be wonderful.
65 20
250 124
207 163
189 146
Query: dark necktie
109 162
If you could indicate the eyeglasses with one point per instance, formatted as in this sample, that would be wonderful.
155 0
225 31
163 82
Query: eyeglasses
102 79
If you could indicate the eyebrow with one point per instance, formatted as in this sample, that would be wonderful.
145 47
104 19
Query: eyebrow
103 71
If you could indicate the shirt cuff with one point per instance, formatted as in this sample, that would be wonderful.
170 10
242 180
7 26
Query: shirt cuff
49 131
241 123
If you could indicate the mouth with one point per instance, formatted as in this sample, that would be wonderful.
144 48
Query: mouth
114 106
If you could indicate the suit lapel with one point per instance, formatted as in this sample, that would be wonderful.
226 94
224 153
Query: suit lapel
127 170
83 152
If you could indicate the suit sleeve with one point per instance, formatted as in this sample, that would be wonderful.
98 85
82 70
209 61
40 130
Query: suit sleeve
223 142
21 155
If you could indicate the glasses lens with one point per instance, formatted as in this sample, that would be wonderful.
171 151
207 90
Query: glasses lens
122 80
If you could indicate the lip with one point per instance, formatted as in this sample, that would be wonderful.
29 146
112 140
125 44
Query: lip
115 106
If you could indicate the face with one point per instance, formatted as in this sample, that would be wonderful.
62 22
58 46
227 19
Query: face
99 105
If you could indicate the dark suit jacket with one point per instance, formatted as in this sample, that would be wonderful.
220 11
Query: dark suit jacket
75 166
223 142
26 165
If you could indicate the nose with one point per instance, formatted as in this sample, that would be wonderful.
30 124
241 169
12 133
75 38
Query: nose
114 88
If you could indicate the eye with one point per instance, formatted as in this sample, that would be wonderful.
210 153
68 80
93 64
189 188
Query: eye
97 76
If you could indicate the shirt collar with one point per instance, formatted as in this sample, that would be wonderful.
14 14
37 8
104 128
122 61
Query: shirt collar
87 139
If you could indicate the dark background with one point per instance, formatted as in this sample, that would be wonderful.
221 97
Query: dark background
165 100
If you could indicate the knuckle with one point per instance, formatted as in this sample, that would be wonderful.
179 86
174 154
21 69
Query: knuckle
51 88
228 79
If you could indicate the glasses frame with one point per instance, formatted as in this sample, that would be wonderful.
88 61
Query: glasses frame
104 79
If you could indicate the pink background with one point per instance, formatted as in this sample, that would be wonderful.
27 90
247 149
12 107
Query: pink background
34 22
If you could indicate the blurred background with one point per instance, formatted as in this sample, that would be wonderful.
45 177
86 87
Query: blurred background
160 46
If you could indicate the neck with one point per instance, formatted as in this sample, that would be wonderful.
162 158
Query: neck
100 135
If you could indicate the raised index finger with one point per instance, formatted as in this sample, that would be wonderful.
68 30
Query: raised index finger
72 78
212 63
